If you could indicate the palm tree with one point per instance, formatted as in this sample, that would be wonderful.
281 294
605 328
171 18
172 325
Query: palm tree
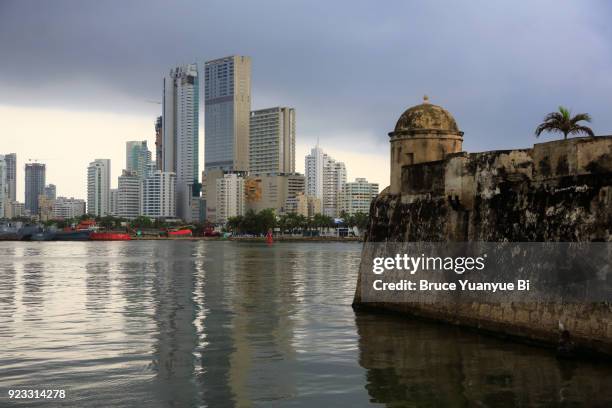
563 122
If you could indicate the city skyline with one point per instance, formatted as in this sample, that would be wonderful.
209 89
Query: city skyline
499 88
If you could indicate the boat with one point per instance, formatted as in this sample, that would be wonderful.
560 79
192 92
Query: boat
72 235
17 231
43 235
9 231
109 236
180 233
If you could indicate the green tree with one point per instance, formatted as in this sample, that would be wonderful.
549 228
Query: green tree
141 222
563 122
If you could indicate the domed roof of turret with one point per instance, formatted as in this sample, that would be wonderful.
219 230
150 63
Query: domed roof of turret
426 116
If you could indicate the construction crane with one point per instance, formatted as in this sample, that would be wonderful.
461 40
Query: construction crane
42 159
155 102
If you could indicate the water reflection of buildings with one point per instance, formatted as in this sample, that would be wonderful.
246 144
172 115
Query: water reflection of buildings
432 365
8 290
249 301
174 312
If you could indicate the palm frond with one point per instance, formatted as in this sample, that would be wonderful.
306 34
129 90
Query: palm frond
580 117
578 130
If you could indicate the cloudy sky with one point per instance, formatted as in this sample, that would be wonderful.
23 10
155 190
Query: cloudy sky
77 77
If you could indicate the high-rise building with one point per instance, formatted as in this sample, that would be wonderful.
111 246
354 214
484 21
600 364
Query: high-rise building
324 179
11 175
158 195
98 188
50 191
180 139
334 178
356 197
34 185
4 191
227 91
65 208
272 141
313 169
272 190
129 194
230 197
137 157
114 202
159 131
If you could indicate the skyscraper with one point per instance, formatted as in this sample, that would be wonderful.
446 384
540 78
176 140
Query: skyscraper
137 157
159 131
227 84
98 188
4 199
180 139
325 178
313 169
272 141
11 175
34 185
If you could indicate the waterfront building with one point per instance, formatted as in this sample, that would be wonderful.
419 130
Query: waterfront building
14 209
159 195
4 193
227 92
356 197
34 186
272 141
305 205
50 191
159 131
137 157
98 188
334 178
229 197
275 191
114 201
45 207
66 208
324 179
129 194
180 138
11 175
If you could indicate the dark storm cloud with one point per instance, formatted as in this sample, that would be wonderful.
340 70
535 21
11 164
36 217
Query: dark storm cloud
350 67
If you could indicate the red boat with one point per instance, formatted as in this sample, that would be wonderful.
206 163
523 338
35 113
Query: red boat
180 233
110 236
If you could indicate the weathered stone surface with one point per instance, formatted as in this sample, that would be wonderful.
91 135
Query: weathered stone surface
558 191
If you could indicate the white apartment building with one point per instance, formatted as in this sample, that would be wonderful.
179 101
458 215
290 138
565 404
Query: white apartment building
159 195
229 197
129 194
272 141
98 187
324 179
65 208
356 197
180 138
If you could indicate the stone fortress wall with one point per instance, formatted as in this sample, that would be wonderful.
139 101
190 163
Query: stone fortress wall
558 191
